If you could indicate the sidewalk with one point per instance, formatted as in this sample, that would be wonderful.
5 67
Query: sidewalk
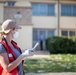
41 54
63 73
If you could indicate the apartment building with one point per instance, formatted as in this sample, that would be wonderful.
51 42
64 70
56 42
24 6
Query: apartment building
40 18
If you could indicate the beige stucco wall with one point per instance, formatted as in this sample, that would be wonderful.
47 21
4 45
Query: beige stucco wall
44 22
68 2
1 12
25 37
22 3
67 22
28 2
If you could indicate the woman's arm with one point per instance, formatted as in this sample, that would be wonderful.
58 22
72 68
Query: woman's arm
9 66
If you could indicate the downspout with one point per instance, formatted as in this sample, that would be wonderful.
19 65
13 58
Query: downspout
58 18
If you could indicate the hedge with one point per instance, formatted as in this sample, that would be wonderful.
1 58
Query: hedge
62 45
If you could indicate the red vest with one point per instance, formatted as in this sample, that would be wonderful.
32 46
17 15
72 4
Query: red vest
11 59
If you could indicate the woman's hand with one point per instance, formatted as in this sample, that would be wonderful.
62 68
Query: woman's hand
28 52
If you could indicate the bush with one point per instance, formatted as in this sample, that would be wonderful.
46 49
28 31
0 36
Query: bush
61 45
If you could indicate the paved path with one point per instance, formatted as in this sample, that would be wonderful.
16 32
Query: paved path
41 54
67 73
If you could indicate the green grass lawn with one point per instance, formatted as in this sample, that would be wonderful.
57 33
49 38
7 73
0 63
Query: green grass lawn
56 63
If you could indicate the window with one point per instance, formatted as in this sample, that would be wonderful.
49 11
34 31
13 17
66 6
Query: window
68 33
74 10
43 9
42 32
51 33
64 33
10 3
51 9
71 33
35 35
68 10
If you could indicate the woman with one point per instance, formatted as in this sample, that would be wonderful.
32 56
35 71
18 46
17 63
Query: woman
11 59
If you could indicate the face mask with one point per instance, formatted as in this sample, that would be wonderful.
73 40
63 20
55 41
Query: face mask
16 34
